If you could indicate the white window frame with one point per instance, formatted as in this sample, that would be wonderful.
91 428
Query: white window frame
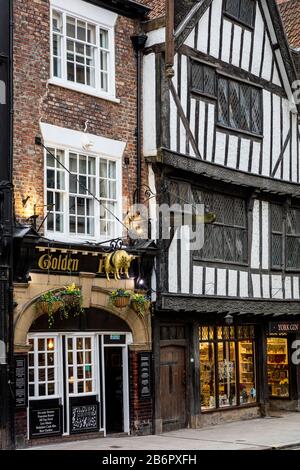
101 19
66 235
102 147
57 382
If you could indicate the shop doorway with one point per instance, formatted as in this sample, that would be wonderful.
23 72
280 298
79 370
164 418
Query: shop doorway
114 390
173 387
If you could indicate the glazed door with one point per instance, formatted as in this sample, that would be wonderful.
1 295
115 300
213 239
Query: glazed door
82 383
173 387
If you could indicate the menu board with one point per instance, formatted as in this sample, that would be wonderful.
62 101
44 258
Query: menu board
45 422
145 375
84 418
21 382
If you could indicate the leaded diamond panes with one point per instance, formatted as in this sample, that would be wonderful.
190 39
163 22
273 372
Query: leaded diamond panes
223 112
239 106
226 239
203 78
276 250
242 10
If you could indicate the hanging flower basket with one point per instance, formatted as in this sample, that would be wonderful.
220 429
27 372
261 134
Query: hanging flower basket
71 298
120 298
140 304
67 301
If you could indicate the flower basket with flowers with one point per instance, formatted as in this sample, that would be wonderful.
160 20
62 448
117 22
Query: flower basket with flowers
140 303
120 298
49 304
72 300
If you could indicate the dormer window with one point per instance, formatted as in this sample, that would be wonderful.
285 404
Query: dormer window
241 10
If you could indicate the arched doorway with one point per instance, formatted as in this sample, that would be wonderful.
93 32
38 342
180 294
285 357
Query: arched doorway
78 374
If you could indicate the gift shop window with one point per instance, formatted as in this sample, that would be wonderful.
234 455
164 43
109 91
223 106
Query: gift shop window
227 366
278 367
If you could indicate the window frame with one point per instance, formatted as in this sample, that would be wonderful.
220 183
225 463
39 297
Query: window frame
201 257
66 235
237 19
62 81
56 367
204 65
284 237
239 83
236 338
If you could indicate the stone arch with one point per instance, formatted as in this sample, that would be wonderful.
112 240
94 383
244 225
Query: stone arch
139 326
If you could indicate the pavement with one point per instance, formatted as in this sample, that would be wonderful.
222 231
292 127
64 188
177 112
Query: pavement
280 431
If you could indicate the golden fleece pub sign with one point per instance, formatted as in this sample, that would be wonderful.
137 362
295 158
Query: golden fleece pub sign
61 261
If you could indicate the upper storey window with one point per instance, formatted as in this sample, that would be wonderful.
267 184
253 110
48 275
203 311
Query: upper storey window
82 54
239 106
241 10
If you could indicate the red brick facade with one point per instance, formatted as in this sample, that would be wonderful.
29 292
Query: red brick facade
141 409
35 101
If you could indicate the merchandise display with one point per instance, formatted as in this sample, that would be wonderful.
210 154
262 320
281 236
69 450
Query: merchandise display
278 367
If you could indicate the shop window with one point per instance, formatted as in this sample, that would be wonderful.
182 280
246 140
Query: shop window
227 366
278 367
42 367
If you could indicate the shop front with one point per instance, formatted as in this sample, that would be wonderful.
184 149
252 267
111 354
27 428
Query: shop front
211 372
78 374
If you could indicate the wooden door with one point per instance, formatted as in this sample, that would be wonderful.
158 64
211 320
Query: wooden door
173 387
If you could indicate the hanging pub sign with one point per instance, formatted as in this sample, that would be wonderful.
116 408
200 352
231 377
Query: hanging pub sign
84 418
284 327
145 375
21 384
45 420
62 261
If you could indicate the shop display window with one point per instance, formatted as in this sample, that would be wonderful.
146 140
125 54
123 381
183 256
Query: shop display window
278 367
227 366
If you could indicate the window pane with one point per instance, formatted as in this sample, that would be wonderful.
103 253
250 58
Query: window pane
70 27
276 250
207 376
81 225
223 101
91 34
50 179
80 74
71 72
247 372
103 38
234 104
81 30
293 252
278 367
57 22
42 375
50 222
51 389
226 370
73 163
197 76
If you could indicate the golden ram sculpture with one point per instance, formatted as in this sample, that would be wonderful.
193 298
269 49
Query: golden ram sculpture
117 263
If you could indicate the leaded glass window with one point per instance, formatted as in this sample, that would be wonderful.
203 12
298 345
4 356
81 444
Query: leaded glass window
285 225
226 239
241 10
239 106
203 78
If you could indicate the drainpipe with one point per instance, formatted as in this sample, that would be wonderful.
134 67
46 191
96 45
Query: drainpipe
138 43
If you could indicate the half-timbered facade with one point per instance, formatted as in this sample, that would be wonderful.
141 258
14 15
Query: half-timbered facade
223 131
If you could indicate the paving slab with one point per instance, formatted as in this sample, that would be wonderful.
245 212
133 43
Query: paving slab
262 433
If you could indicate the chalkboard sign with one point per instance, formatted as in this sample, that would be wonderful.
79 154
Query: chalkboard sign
45 422
84 418
21 384
145 375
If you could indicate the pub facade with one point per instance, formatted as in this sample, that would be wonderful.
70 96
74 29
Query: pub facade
222 133
82 340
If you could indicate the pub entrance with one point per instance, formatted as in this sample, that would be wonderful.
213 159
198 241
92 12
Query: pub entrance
78 380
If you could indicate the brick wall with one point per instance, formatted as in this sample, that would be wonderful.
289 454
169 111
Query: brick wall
140 410
34 101
158 7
